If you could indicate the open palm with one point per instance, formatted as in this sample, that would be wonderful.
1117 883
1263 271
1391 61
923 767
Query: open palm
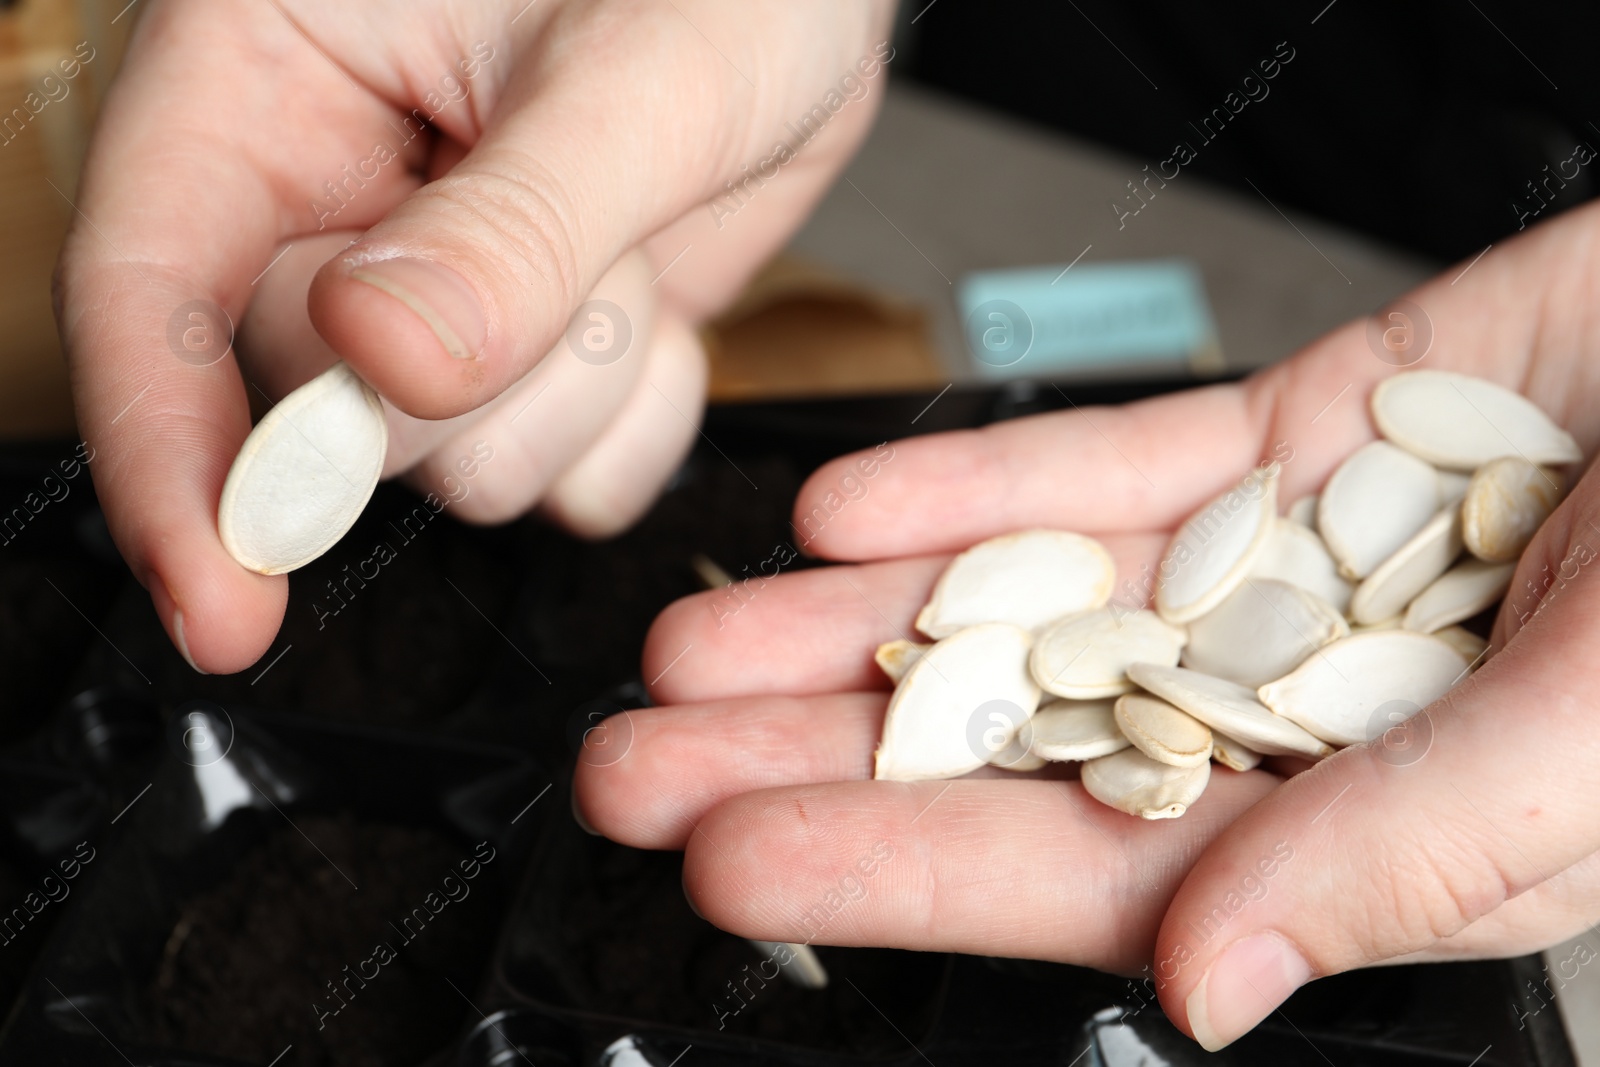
760 766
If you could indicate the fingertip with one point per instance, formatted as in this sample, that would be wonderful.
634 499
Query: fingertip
412 328
221 617
669 642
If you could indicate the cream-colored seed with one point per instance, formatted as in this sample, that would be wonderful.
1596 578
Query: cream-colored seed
304 474
1504 506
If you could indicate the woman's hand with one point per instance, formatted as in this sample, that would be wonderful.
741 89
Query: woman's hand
447 184
1480 842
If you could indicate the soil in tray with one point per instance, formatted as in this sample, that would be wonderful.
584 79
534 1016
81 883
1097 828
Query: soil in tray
247 965
394 624
631 947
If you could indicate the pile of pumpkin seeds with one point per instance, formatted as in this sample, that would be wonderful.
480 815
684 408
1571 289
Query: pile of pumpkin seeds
1270 636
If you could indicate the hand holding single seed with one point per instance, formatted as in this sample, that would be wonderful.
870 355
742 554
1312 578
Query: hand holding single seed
1467 832
530 158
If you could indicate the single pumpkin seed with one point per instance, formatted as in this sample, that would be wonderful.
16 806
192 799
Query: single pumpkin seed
1414 566
1065 731
1464 641
1505 504
1303 512
1087 656
1459 593
1229 707
1373 503
1027 579
1262 631
1296 554
305 472
897 656
1336 694
1231 754
926 729
1212 551
1453 486
1134 783
1461 423
1162 732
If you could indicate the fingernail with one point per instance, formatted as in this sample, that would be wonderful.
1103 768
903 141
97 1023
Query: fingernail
1243 986
690 900
577 814
183 645
161 597
438 295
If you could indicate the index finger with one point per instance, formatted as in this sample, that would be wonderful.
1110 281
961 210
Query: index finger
180 205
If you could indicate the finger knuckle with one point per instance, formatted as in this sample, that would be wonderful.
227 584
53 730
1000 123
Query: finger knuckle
1433 882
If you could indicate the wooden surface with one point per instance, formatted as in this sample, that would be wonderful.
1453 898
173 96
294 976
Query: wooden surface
44 124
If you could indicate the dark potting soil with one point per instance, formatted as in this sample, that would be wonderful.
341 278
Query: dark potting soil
42 633
631 947
248 964
394 625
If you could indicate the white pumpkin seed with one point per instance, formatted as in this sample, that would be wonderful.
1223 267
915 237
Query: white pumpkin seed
1337 694
1162 732
305 472
1505 504
897 656
1393 622
1134 783
1461 423
1453 486
1373 503
1295 554
1065 731
1262 631
926 730
1231 754
1303 512
1459 593
1018 757
1463 641
1398 579
1229 707
1027 579
1212 552
1087 656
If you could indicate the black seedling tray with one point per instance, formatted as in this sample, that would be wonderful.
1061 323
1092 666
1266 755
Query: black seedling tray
270 856
191 937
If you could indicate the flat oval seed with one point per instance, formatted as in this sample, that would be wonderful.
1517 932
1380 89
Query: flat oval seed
1393 622
1505 504
1064 731
896 657
930 730
1134 783
1016 757
1414 566
1295 554
1087 656
1303 512
1233 709
1162 732
1264 630
1231 754
303 475
1353 690
1375 501
1459 593
1028 579
1464 641
1453 486
1211 553
1462 423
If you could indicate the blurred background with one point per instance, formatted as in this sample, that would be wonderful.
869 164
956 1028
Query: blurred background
1024 165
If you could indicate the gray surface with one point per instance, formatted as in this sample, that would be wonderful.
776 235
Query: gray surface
970 190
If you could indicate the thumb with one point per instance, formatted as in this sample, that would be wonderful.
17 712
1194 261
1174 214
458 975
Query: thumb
472 280
1391 849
